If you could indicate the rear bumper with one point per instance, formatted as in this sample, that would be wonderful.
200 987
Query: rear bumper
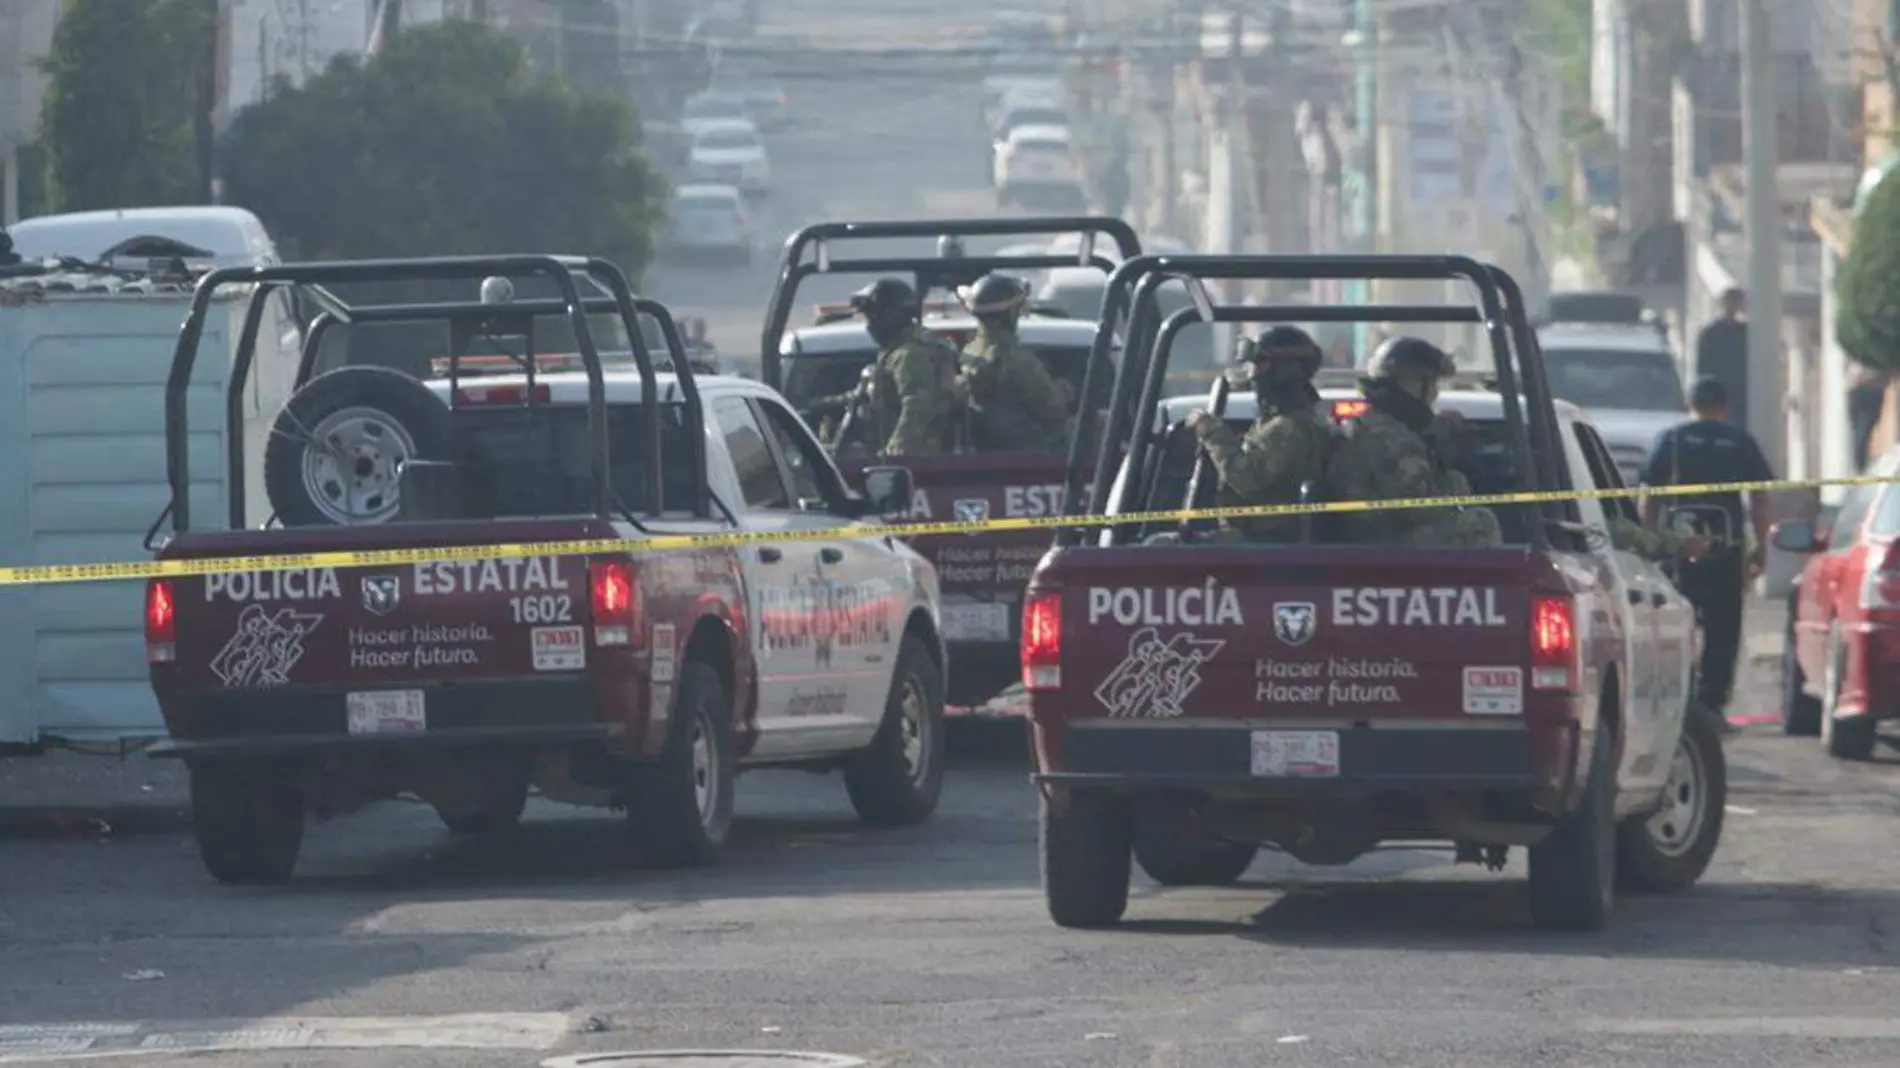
1382 758
304 719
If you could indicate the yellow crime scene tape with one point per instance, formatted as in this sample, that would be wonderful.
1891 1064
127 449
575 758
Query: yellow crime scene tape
55 574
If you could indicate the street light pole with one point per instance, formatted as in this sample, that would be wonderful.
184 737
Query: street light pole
1767 383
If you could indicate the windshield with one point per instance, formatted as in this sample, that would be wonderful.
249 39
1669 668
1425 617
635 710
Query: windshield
705 205
728 139
1615 379
1042 144
1038 117
713 107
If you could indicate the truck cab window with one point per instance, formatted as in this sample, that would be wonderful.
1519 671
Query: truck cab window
814 484
759 480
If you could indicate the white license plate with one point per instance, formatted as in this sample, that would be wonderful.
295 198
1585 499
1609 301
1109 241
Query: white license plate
387 712
976 622
1296 754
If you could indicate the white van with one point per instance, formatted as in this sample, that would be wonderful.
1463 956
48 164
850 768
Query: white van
232 237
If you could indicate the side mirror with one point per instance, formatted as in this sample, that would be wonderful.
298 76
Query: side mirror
888 491
1796 536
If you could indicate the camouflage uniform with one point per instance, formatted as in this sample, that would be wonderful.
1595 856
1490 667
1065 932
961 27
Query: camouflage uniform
1627 536
1016 405
1384 459
1266 466
915 397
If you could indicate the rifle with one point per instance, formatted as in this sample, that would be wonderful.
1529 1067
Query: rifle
1217 407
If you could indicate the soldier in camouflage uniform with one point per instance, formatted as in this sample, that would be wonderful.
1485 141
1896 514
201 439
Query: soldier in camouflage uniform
1015 404
914 397
1399 449
1289 442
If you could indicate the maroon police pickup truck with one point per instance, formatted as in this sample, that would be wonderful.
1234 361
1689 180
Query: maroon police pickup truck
1194 698
638 680
984 574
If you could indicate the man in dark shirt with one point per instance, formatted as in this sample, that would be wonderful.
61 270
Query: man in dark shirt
1709 448
1721 353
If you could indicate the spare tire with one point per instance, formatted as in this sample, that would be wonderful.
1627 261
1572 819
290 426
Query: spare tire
336 450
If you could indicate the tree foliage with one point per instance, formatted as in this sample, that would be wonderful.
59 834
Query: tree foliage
1867 287
121 96
444 143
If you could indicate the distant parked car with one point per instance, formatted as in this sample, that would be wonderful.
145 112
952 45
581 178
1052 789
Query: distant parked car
703 110
731 153
708 222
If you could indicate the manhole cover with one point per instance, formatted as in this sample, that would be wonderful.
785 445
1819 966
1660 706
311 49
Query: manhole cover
707 1058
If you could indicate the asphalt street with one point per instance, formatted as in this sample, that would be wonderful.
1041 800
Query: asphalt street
400 947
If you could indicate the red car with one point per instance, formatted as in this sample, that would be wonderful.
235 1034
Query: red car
1841 662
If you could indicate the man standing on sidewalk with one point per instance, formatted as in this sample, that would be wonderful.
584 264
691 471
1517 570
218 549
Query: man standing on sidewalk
1709 448
1721 353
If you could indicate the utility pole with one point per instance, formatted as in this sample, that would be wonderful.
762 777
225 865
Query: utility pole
205 126
1767 385
1164 104
1359 178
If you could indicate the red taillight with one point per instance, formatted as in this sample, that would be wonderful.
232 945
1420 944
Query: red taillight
1554 648
1348 409
161 622
478 396
616 601
1042 642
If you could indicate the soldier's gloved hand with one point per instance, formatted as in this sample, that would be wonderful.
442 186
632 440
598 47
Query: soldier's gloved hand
1201 421
1693 547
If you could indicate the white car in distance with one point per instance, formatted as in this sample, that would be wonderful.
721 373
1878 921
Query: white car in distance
702 110
708 223
1036 168
731 153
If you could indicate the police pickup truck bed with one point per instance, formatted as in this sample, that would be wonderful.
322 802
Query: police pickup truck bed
1194 700
642 680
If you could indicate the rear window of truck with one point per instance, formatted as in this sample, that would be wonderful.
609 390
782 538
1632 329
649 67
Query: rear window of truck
526 462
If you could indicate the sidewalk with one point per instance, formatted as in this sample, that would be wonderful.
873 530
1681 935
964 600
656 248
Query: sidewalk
63 794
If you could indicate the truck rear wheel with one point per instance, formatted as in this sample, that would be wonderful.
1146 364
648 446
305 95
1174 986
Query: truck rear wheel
896 780
1668 850
1086 849
1177 861
336 450
1849 738
248 823
680 809
1573 871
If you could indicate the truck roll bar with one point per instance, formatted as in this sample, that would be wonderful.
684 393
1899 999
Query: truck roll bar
312 280
1130 299
926 271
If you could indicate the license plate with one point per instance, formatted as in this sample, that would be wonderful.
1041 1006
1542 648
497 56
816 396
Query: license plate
981 622
386 712
1296 754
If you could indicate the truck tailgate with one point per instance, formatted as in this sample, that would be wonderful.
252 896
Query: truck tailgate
375 627
1293 634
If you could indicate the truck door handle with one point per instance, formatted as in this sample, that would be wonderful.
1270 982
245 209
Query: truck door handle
770 555
1636 596
831 556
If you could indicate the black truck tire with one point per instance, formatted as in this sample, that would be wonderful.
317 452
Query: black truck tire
1800 710
249 823
1667 851
1573 871
897 779
387 416
1186 861
680 808
501 813
1086 849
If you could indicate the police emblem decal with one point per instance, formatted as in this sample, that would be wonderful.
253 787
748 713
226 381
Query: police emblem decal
381 594
1295 621
972 510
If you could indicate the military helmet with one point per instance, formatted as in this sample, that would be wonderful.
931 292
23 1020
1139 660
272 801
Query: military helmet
950 247
1284 344
994 294
886 298
1410 353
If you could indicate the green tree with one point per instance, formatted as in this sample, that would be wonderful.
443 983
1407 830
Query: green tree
442 144
122 86
1868 284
